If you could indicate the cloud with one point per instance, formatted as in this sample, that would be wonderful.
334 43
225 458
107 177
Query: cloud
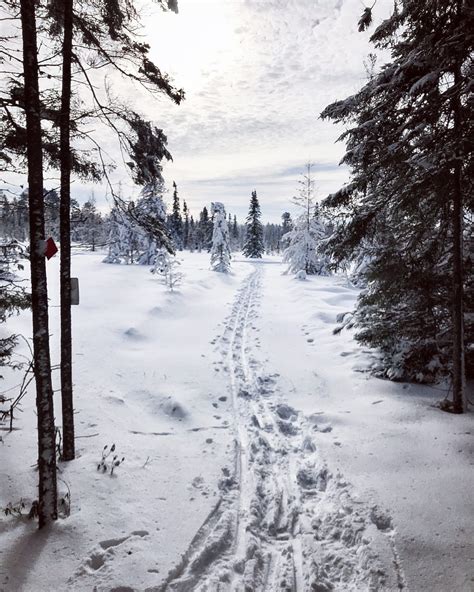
253 102
257 74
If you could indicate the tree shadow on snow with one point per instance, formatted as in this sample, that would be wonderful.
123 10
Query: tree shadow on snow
21 556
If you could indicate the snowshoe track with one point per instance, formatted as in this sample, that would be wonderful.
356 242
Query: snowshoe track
284 522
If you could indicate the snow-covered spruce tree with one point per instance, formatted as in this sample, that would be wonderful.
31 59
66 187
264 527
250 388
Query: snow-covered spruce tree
150 207
254 247
167 267
126 239
220 250
304 241
132 239
410 155
138 230
114 241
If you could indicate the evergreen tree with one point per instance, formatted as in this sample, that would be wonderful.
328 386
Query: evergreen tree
304 241
115 246
7 217
176 220
234 233
150 217
287 223
91 224
136 234
51 213
13 296
411 161
220 251
192 235
167 267
272 234
47 503
253 247
185 226
22 214
204 231
235 229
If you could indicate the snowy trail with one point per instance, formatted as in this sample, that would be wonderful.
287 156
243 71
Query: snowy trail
283 521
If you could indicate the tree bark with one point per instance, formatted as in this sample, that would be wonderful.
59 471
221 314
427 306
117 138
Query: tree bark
68 452
459 397
47 502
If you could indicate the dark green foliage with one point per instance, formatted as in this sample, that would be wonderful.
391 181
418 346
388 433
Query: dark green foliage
13 134
146 146
287 223
185 226
175 221
204 231
365 20
254 247
396 214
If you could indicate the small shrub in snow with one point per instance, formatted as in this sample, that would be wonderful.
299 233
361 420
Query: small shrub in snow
12 509
300 275
106 464
18 509
166 266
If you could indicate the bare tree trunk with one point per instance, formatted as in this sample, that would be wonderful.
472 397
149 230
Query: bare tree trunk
47 506
68 452
459 397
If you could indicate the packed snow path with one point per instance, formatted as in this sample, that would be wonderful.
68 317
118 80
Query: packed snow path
153 381
283 521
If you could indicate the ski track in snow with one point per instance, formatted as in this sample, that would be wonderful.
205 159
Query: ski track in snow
283 521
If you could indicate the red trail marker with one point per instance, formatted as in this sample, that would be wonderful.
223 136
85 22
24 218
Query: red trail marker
50 248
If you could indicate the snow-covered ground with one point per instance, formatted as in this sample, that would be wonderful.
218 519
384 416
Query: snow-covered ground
257 455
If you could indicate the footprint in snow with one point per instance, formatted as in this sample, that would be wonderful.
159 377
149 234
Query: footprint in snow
105 552
134 334
286 412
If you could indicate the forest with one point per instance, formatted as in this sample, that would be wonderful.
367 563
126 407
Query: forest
236 381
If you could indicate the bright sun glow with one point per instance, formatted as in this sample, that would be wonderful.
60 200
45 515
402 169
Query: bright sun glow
196 40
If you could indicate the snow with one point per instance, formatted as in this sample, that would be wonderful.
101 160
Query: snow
251 438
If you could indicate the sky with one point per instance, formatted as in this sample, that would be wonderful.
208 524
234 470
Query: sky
257 74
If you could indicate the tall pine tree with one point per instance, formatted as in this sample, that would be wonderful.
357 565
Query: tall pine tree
185 225
47 501
410 152
254 247
176 220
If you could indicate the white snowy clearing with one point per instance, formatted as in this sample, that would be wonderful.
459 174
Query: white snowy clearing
257 455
